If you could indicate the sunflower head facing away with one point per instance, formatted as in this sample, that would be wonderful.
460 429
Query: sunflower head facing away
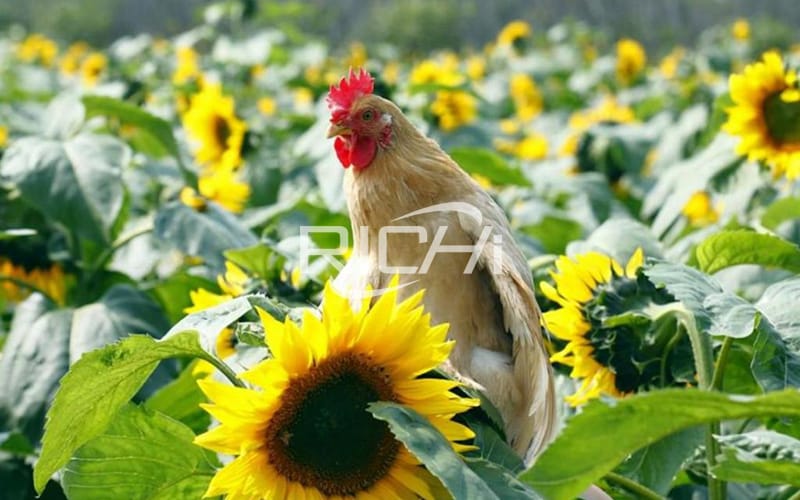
631 59
306 433
211 121
609 358
766 115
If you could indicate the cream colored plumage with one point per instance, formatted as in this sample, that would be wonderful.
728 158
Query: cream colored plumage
492 310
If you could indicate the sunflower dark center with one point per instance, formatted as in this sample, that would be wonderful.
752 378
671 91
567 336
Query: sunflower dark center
221 130
782 120
322 435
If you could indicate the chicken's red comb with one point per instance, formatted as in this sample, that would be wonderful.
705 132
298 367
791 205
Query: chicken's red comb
350 88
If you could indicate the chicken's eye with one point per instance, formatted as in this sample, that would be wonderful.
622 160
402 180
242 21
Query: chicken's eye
367 115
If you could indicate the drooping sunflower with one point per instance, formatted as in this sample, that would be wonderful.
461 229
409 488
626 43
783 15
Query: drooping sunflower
220 186
307 433
583 284
17 281
766 114
211 121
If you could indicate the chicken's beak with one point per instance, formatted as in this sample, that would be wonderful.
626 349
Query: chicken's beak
337 130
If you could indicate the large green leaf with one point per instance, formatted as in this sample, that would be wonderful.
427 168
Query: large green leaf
159 129
121 311
142 454
34 358
781 211
180 399
583 452
761 456
656 465
96 387
776 350
776 362
488 164
77 183
204 234
432 449
730 248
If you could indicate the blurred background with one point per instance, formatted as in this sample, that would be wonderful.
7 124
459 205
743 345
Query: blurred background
415 25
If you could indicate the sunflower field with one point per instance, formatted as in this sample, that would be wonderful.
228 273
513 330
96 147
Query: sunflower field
160 337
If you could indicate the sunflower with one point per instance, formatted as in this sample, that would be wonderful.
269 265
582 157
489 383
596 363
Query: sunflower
582 283
187 67
38 49
17 281
532 147
232 284
92 67
71 61
766 115
222 187
211 121
608 111
741 30
513 33
631 59
699 210
526 96
454 108
306 433
444 72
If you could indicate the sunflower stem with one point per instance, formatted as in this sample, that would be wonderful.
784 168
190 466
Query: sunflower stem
722 360
639 490
679 332
108 253
715 428
703 354
225 370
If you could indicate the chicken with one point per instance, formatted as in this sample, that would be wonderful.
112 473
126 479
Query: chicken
416 213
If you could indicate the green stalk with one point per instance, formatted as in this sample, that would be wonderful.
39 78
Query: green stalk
639 490
715 428
108 253
225 370
679 332
702 351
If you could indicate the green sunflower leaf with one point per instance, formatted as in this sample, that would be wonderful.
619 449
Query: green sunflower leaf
129 114
488 164
34 357
204 234
180 399
731 248
584 453
86 402
781 211
142 454
432 449
76 183
762 456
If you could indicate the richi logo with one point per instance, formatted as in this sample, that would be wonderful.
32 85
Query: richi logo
487 249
